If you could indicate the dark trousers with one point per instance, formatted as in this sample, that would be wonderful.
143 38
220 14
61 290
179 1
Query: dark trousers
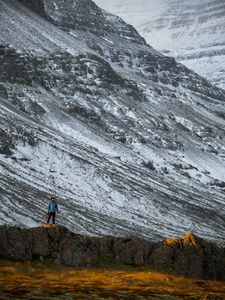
49 216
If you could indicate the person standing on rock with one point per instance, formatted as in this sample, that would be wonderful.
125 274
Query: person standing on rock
52 210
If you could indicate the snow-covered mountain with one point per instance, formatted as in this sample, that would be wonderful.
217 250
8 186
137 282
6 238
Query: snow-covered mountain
192 31
130 141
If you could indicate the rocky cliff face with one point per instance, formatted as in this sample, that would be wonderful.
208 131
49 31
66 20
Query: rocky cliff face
127 138
85 16
191 31
189 256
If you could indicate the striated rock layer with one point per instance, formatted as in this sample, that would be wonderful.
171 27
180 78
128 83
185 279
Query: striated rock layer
189 256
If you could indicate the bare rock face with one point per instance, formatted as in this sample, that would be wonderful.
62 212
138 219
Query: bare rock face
189 256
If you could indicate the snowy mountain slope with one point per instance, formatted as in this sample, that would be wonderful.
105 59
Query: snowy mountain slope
191 31
130 141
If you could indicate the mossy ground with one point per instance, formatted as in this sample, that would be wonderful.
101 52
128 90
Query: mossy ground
38 281
6 227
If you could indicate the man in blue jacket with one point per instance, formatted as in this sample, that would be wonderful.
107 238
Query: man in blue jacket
52 209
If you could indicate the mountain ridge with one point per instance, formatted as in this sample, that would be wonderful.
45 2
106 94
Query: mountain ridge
190 31
98 22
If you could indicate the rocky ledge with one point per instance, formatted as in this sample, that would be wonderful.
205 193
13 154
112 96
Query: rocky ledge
189 256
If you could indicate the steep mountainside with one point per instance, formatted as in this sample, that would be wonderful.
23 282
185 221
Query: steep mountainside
128 140
191 31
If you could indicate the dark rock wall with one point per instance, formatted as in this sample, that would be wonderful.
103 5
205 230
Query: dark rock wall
189 256
35 5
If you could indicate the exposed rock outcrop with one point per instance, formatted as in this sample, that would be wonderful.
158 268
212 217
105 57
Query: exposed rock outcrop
189 256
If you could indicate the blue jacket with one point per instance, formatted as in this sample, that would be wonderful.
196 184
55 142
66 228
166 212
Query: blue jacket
52 207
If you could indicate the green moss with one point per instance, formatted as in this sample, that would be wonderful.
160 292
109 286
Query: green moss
107 262
104 260
7 227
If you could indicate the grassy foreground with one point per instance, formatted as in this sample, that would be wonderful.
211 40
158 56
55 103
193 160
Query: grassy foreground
35 281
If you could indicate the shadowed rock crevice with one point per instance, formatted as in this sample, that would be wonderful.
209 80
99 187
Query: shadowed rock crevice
190 256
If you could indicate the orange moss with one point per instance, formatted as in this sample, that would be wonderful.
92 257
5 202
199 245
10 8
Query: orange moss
48 225
188 239
29 281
